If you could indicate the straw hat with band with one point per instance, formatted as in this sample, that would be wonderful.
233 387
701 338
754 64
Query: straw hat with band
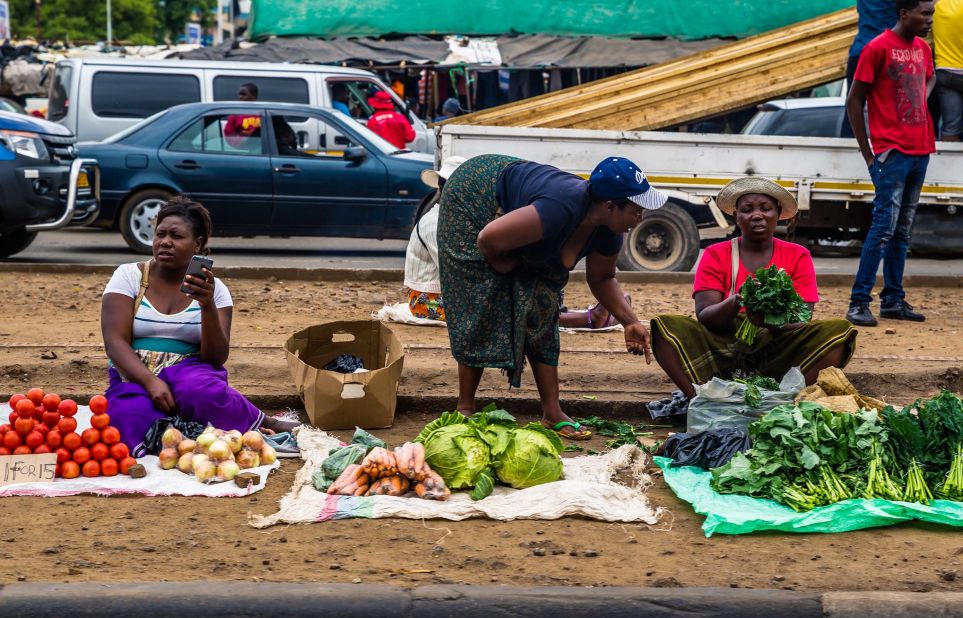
730 194
430 177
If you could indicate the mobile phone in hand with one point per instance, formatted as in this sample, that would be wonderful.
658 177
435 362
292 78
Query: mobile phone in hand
195 269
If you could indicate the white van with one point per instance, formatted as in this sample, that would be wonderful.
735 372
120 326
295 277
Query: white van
97 97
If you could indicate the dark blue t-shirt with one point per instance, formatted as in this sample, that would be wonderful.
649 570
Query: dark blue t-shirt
874 17
561 200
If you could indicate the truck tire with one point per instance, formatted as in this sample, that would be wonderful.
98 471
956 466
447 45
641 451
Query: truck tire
666 240
137 218
15 241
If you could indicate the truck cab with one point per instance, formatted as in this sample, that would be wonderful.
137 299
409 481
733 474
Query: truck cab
45 186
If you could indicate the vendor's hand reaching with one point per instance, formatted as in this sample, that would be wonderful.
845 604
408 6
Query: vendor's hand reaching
201 289
637 340
160 394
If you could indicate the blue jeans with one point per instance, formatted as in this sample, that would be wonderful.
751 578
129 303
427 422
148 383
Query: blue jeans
898 181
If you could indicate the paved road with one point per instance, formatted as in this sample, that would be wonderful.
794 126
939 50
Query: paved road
91 246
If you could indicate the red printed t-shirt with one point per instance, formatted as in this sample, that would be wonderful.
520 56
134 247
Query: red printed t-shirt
715 269
898 71
393 127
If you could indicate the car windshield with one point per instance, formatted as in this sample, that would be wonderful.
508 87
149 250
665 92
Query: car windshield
116 137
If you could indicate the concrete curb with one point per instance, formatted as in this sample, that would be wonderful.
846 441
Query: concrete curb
281 600
393 275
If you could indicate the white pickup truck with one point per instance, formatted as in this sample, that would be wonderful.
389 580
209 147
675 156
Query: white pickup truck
827 176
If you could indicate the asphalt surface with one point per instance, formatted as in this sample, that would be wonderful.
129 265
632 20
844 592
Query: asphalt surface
92 246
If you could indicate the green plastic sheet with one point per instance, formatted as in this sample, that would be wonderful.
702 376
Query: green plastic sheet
695 19
734 514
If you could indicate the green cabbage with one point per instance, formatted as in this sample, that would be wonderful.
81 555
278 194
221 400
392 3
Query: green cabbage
455 450
532 457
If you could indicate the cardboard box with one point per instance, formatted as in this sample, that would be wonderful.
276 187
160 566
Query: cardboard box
345 400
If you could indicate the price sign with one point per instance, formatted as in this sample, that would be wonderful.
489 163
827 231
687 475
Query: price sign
27 468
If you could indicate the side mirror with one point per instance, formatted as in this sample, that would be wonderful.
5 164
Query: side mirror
355 154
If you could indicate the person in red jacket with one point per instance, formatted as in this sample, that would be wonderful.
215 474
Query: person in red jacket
388 123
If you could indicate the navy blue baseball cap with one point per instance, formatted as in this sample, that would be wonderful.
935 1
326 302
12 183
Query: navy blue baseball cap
618 178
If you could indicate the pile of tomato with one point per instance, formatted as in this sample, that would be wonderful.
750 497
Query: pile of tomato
44 423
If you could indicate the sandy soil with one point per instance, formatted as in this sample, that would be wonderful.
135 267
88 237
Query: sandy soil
134 539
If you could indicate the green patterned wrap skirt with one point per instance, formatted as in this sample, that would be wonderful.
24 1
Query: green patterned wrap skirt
494 320
705 354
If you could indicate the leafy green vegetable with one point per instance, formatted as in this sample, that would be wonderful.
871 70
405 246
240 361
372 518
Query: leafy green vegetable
621 432
455 450
753 384
366 439
484 485
573 448
770 292
533 457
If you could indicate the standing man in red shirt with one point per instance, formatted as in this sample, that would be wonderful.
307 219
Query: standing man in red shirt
388 123
895 75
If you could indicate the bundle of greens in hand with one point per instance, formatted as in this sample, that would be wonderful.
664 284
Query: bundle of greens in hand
770 293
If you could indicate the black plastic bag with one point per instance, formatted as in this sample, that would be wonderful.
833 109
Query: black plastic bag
706 450
346 363
152 439
677 405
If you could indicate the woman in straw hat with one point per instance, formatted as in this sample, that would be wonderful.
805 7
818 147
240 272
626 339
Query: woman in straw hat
692 351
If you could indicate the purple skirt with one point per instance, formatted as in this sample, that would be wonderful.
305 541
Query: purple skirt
201 394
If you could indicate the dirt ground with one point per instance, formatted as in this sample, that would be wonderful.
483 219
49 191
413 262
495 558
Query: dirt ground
50 336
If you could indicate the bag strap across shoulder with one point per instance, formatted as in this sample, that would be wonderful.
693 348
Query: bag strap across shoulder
144 268
735 265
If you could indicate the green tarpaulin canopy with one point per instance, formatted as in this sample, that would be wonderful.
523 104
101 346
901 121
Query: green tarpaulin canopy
695 19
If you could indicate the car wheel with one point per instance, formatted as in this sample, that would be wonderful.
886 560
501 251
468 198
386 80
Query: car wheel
15 241
137 218
666 240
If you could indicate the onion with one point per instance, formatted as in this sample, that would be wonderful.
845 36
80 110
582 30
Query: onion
205 440
168 458
219 450
184 463
186 446
227 470
233 439
198 459
171 438
248 459
205 471
268 455
253 440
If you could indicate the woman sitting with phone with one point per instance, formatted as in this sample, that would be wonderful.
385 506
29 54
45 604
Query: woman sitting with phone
167 331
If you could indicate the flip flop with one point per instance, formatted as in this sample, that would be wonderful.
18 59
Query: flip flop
579 434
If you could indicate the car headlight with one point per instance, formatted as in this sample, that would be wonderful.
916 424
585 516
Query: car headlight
25 143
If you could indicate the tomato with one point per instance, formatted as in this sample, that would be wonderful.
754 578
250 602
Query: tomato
51 401
4 451
99 452
99 421
90 436
91 469
41 450
25 407
42 429
126 463
62 455
110 435
24 425
98 404
69 470
81 455
34 439
23 449
36 395
67 407
50 419
66 425
37 413
71 441
12 440
14 399
5 428
54 439
119 451
109 467
13 417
